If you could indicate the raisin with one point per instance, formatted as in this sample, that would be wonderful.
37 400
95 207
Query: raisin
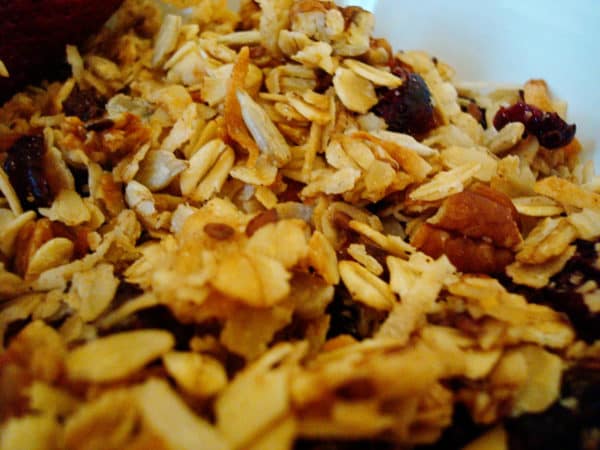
323 81
552 131
557 428
24 166
407 108
561 293
462 431
562 427
350 317
583 383
86 104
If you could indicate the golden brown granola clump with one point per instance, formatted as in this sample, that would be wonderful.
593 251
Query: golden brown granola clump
211 237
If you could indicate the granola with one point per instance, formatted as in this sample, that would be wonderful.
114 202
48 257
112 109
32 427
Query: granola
266 230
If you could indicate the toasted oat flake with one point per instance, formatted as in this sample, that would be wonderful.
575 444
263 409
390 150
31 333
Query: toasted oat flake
171 419
356 93
365 287
69 208
567 193
445 184
376 76
166 39
117 356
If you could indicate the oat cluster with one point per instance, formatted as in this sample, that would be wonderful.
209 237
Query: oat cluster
212 238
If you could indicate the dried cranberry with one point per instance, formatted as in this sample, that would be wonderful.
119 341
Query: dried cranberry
86 104
561 427
557 428
549 128
462 431
561 293
25 168
408 108
583 383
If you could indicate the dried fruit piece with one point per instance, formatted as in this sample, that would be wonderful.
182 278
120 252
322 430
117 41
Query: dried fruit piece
557 428
407 108
24 166
350 318
86 104
550 129
566 292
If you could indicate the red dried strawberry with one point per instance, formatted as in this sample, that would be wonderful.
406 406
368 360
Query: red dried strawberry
35 32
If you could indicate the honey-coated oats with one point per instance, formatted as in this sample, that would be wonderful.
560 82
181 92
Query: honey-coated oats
267 230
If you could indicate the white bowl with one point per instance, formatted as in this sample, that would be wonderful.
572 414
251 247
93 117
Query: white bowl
507 41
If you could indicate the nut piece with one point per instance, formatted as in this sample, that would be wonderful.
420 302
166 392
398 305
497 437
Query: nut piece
468 255
480 212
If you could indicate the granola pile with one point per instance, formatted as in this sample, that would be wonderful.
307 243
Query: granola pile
268 230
